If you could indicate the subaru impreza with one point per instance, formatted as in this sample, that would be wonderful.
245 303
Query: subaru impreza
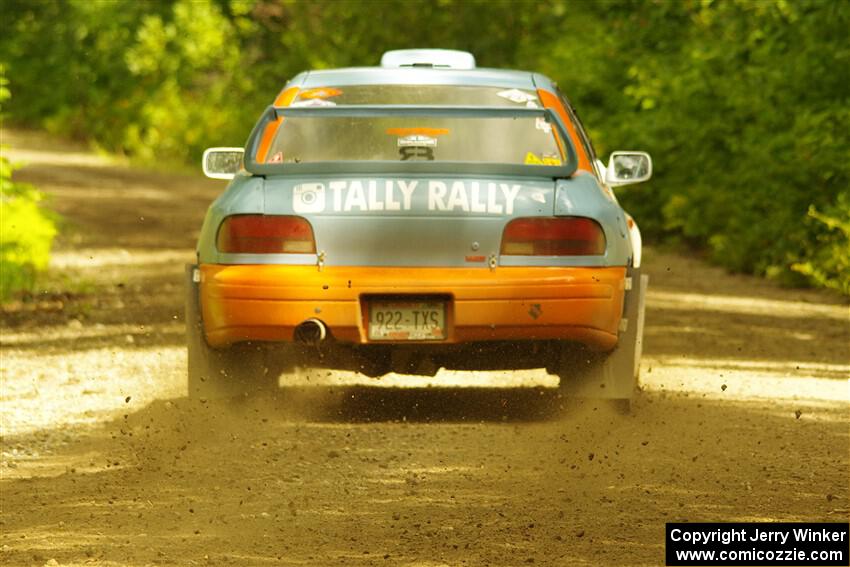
418 215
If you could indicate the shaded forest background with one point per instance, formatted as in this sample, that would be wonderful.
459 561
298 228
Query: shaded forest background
744 105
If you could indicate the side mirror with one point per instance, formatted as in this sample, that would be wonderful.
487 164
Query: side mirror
222 163
625 168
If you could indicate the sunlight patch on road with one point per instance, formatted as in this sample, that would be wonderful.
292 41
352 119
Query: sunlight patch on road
446 469
535 378
747 380
88 258
137 193
86 387
97 331
657 299
59 159
35 464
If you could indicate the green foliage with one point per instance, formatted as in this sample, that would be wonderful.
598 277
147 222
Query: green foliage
26 230
829 263
26 235
743 105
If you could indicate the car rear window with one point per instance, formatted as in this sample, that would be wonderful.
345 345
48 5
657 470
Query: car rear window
528 140
418 95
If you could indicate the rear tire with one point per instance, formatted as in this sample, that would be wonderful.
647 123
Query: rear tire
611 376
237 371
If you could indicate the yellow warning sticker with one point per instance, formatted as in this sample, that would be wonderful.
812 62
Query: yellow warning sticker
533 159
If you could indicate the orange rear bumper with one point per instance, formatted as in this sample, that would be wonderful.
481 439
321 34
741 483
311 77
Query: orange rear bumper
267 302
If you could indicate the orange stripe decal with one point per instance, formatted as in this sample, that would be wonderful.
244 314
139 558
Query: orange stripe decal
321 92
285 98
417 131
549 100
266 140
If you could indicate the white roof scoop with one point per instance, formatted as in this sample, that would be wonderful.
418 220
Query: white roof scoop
441 58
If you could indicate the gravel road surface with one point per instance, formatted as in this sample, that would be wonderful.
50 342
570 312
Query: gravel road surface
743 416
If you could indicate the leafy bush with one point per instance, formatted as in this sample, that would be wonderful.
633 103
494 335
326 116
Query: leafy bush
829 261
26 230
744 105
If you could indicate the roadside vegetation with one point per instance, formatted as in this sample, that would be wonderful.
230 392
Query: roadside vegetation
26 228
744 105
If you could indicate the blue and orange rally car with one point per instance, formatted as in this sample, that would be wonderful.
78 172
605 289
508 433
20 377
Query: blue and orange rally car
421 214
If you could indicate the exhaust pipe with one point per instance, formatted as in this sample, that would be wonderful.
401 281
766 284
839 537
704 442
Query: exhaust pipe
311 332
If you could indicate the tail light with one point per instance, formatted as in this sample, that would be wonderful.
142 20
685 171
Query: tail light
550 236
265 234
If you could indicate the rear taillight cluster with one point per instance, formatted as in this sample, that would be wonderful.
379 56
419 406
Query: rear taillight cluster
533 236
553 236
266 234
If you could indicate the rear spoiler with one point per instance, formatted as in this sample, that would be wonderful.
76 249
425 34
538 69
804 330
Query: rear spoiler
274 113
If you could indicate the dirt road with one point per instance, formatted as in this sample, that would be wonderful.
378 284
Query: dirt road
743 417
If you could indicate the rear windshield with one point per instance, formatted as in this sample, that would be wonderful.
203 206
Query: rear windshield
528 140
426 95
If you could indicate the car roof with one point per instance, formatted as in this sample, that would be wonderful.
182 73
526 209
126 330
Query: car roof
419 76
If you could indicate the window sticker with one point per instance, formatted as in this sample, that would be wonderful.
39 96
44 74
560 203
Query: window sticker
546 159
542 124
517 96
417 140
322 92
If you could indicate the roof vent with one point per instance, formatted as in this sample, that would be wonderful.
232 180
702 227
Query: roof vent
439 58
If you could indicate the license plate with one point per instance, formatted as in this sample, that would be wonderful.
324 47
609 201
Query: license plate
405 320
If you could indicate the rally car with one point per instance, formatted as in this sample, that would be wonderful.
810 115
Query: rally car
419 215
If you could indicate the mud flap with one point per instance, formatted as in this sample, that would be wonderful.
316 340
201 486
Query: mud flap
240 370
624 363
197 351
612 375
